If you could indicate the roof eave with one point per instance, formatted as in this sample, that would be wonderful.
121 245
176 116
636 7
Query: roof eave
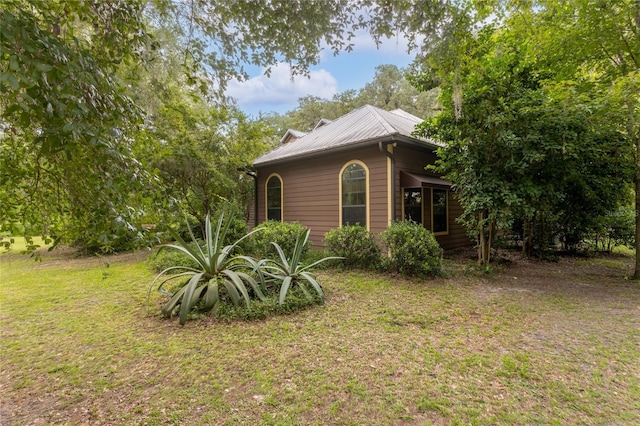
394 137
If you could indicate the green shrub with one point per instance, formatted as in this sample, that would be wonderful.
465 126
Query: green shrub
357 245
618 228
314 255
282 233
235 221
414 249
260 309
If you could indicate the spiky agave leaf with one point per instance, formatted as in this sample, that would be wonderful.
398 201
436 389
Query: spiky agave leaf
211 296
317 262
303 287
208 237
169 307
256 268
188 299
314 283
223 258
284 289
170 278
238 284
185 248
232 291
297 250
198 255
161 289
215 240
284 262
253 283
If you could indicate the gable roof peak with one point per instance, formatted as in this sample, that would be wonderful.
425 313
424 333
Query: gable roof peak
291 135
405 114
322 122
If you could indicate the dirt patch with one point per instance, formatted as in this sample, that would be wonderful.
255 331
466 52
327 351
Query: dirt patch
67 257
602 274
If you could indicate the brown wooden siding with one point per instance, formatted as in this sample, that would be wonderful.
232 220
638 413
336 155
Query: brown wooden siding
412 160
311 190
457 234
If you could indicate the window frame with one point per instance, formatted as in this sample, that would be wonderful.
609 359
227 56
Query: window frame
417 188
367 195
266 196
446 199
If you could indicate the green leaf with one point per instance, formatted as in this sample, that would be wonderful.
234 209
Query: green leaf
311 279
253 283
11 79
188 299
211 297
284 289
169 307
237 282
283 258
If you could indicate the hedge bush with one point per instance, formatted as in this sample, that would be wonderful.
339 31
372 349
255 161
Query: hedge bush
282 233
357 245
414 249
161 260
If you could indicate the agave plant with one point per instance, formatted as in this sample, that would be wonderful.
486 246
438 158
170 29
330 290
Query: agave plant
291 271
218 267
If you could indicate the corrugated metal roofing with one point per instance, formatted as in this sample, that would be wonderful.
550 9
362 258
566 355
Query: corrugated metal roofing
367 123
291 134
322 122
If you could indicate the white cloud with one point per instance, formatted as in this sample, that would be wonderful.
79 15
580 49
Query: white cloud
394 46
279 88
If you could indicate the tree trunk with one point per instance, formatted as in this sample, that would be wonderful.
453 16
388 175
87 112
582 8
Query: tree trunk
636 274
492 231
631 131
532 233
480 238
485 238
525 237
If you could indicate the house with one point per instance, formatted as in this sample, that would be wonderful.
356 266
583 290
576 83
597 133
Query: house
363 168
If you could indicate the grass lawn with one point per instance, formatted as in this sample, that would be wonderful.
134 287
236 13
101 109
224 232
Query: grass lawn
533 343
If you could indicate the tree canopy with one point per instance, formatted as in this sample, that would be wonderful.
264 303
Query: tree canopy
107 108
540 113
72 110
66 119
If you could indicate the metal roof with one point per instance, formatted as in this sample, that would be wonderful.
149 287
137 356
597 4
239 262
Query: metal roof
363 125
413 180
322 122
291 134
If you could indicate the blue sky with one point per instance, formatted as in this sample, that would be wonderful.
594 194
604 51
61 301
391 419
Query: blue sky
334 74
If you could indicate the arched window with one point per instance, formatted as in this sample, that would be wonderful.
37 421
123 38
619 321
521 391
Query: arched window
274 197
354 194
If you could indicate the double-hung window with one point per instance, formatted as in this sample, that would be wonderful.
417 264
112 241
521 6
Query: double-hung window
354 194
